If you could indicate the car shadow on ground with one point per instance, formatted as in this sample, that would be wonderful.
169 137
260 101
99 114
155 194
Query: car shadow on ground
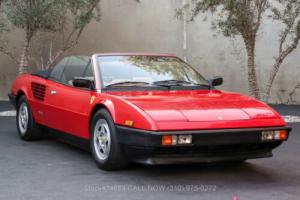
250 172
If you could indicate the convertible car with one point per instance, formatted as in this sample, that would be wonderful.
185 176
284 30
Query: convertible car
146 108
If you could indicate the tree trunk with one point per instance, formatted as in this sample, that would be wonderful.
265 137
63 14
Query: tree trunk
273 74
252 77
276 66
24 60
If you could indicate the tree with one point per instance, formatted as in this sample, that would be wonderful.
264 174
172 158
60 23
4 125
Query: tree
287 12
3 31
235 18
82 12
244 18
33 16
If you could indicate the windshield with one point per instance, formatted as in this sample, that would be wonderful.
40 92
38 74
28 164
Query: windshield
144 70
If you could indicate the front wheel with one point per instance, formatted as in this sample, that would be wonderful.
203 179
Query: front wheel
27 127
104 143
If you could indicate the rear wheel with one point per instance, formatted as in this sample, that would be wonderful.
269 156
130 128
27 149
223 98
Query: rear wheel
26 125
104 143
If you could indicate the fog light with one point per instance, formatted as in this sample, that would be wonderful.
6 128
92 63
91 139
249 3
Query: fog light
168 140
267 135
185 139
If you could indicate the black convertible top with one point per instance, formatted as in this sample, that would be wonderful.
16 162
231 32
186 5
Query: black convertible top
42 73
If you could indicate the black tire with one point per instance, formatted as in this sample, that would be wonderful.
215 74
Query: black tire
32 130
115 159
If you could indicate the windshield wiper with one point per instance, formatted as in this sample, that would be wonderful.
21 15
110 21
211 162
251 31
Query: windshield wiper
177 82
169 83
172 82
128 83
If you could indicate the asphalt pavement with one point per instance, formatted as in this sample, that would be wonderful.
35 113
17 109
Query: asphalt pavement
49 169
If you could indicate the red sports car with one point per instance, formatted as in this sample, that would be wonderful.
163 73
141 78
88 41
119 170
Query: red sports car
147 108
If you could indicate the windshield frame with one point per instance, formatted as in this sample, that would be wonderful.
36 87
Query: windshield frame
150 86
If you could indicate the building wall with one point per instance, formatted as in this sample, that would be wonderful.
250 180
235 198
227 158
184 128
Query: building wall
150 26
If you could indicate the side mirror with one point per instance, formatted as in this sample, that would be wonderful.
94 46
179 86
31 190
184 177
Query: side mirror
216 81
83 82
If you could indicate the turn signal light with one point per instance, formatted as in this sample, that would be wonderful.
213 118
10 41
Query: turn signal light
168 140
129 123
283 135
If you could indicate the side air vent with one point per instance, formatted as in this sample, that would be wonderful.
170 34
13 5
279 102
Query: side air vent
38 91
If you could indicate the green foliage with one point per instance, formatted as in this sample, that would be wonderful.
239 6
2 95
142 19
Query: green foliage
232 17
66 18
50 15
84 11
288 13
34 15
243 17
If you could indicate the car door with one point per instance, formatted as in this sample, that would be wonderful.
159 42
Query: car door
69 106
41 109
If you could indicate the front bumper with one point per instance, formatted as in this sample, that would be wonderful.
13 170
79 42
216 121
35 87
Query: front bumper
207 146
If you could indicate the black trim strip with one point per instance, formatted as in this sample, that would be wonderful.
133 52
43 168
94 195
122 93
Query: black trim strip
68 138
288 128
142 138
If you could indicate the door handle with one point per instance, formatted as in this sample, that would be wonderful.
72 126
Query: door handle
53 92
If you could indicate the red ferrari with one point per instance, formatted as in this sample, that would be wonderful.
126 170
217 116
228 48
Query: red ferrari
146 108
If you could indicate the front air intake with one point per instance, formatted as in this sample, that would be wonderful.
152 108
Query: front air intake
38 91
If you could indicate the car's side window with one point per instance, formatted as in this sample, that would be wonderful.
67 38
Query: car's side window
77 66
57 71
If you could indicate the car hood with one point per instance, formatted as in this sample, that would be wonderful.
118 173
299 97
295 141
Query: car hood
198 105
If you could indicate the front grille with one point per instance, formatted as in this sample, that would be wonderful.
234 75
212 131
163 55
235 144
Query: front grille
38 91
